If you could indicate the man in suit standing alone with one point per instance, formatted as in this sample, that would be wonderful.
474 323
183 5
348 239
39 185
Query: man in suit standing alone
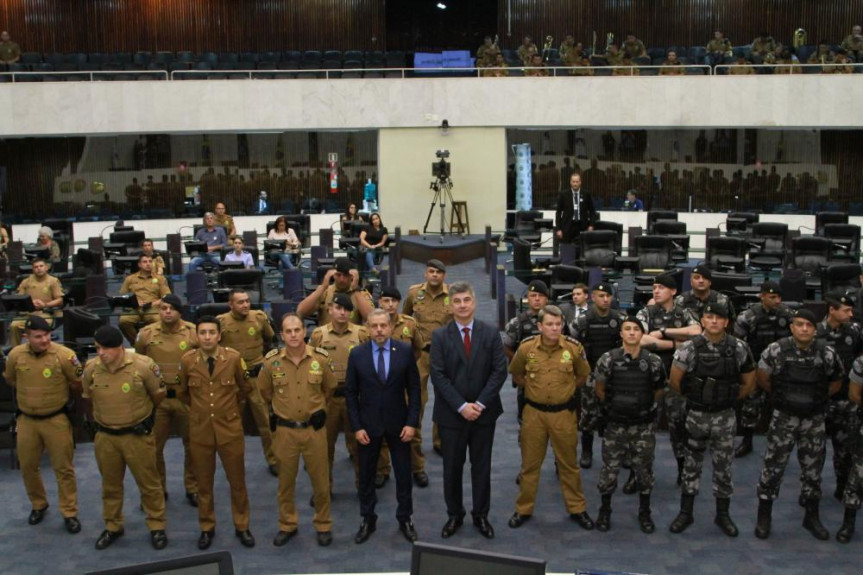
468 368
382 391
575 212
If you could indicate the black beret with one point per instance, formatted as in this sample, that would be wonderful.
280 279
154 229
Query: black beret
538 286
807 315
174 301
633 319
665 280
603 287
703 271
770 287
716 309
344 300
344 265
838 298
37 322
392 292
436 264
108 336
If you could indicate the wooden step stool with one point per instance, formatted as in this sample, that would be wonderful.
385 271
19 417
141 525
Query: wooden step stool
458 218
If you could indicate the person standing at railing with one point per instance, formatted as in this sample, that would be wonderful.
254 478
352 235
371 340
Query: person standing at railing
10 52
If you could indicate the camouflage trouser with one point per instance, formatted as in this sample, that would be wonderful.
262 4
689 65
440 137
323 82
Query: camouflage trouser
842 424
786 431
750 409
589 421
716 431
635 443
675 413
854 487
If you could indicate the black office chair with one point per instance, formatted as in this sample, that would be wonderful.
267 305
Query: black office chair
810 255
727 283
523 268
654 215
643 291
679 238
846 242
253 251
824 218
840 276
767 245
8 415
598 248
564 277
726 253
653 253
526 226
213 309
252 280
615 227
740 223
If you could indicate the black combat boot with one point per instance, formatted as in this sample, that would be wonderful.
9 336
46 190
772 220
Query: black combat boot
762 524
812 523
645 521
684 518
631 485
847 530
745 447
603 521
586 450
723 519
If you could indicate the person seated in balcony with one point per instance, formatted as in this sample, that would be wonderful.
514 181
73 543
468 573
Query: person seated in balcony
841 64
626 68
536 68
10 52
763 50
824 55
853 43
527 49
497 68
633 47
372 241
568 47
487 53
718 50
786 64
613 56
672 65
741 67
239 254
283 232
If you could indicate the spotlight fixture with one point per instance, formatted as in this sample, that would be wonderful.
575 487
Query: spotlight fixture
444 128
441 6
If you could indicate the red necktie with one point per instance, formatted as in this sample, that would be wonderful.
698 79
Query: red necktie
466 331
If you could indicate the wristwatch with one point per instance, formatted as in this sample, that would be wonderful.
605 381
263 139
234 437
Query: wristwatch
662 331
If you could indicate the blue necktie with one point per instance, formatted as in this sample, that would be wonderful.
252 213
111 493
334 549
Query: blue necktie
382 366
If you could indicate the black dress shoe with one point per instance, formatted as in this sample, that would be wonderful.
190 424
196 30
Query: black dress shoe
206 539
36 516
366 530
274 470
283 537
72 524
517 520
245 537
421 479
408 530
583 519
192 498
325 538
107 538
158 539
484 527
451 526
381 480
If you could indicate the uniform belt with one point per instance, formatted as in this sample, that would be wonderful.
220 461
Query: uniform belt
170 393
292 424
339 391
427 347
705 408
113 431
549 408
255 370
46 416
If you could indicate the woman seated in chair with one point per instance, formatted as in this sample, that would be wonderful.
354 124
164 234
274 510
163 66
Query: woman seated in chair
4 241
46 240
372 241
283 232
351 215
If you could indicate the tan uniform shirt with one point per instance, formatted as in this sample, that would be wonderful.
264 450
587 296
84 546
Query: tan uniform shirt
296 390
430 312
740 69
327 298
9 51
523 50
406 330
247 335
670 68
42 381
123 398
167 348
338 345
550 373
226 222
147 289
48 288
723 46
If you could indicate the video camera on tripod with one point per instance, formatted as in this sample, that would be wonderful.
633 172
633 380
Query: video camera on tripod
442 187
441 168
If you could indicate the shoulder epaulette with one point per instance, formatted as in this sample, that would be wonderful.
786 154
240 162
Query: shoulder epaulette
528 338
272 353
322 351
572 340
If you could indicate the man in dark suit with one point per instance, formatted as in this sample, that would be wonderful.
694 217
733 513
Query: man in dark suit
468 368
381 374
575 212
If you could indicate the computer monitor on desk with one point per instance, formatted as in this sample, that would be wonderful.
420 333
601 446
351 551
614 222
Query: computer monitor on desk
231 265
430 559
20 303
196 248
122 264
33 251
219 563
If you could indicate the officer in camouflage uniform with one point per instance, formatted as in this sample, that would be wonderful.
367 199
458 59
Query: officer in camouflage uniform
701 294
763 50
629 381
759 326
851 499
666 324
837 331
343 278
598 330
718 50
712 371
801 373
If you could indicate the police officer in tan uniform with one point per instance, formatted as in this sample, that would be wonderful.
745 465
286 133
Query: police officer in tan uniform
42 373
428 303
45 291
214 383
343 278
404 330
221 218
158 262
165 342
296 381
338 338
125 388
550 366
249 332
149 289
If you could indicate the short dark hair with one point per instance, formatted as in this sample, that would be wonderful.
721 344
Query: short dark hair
290 314
549 310
40 259
235 291
581 286
141 256
208 319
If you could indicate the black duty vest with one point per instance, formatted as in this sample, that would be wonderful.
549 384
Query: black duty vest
846 342
658 319
629 391
527 326
715 383
767 328
601 334
800 385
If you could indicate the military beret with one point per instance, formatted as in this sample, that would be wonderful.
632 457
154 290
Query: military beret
716 309
538 286
436 264
634 320
770 287
703 271
665 280
108 336
344 265
603 287
837 298
393 292
806 314
174 301
37 322
344 300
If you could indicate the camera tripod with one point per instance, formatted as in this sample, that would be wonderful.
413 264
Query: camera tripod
442 190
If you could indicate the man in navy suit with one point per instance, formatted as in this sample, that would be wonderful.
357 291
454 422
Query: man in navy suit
468 368
381 375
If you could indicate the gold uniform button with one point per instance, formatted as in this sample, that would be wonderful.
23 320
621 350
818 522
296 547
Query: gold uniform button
212 415
212 405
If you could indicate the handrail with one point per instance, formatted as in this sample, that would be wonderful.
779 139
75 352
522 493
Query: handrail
89 73
793 66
